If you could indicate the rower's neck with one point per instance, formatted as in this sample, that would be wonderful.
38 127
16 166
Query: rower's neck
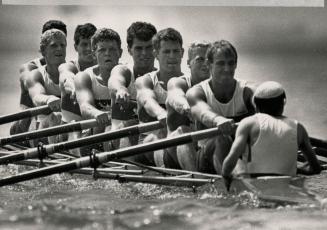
166 76
103 74
53 72
84 65
139 71
223 91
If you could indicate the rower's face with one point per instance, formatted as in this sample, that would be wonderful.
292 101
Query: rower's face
223 66
55 51
170 56
142 53
108 53
84 50
198 65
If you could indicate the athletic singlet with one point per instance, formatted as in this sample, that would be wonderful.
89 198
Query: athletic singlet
101 94
70 108
234 108
275 150
50 87
25 99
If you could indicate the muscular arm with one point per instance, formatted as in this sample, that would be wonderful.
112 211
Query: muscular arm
85 98
238 147
146 98
37 91
67 72
200 110
247 96
119 80
305 146
176 96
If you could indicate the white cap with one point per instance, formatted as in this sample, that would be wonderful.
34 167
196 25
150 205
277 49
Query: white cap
269 89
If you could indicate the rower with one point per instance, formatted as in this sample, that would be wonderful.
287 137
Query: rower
219 101
152 88
268 142
178 109
43 83
121 82
82 38
25 100
92 93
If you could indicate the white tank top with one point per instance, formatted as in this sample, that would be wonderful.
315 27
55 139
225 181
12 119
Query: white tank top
101 93
50 87
131 87
275 150
235 107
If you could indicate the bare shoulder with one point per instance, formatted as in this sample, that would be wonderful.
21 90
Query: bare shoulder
177 82
82 79
68 66
195 93
248 125
144 81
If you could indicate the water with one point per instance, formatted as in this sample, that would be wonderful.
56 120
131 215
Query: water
286 45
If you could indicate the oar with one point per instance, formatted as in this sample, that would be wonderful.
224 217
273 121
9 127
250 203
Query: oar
318 142
44 109
41 152
70 127
114 155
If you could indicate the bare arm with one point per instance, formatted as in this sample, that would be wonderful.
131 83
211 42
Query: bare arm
119 80
85 99
176 96
67 72
238 147
202 112
305 146
37 91
146 98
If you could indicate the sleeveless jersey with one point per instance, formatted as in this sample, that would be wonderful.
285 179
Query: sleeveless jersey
102 99
234 108
70 108
50 87
275 150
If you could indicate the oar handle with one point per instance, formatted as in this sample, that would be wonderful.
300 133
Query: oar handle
24 114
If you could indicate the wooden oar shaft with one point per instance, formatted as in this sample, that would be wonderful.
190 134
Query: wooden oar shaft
85 141
24 114
107 156
70 127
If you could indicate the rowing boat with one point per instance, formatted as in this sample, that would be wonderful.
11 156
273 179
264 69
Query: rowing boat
108 165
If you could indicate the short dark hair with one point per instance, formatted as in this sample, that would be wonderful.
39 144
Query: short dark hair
84 31
55 24
141 30
223 45
168 34
272 106
105 34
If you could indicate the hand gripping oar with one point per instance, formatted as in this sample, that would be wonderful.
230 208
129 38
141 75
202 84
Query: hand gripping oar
43 151
70 127
44 109
96 160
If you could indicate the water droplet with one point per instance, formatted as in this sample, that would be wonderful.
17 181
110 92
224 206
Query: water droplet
146 221
156 212
30 207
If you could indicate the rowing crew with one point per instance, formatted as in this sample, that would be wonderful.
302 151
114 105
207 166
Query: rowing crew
118 95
